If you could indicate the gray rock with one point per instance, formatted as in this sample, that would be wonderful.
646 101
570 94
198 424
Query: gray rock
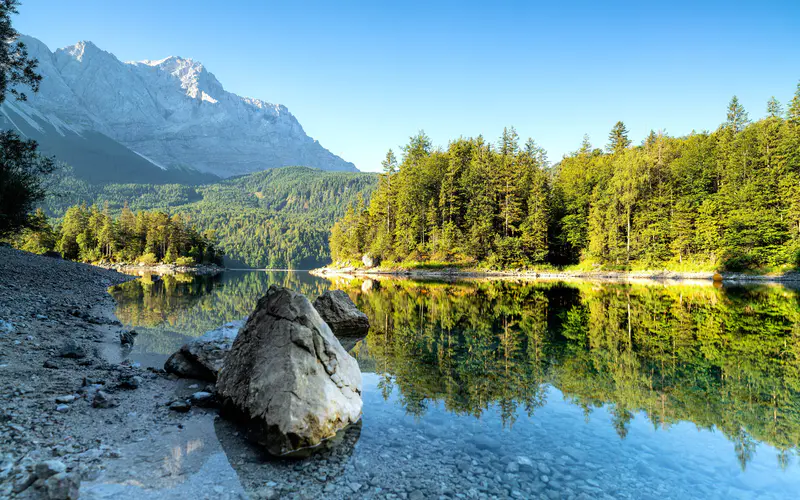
525 464
127 338
50 364
203 357
66 399
130 382
180 406
202 398
543 468
62 408
343 317
288 377
6 326
62 486
48 468
103 400
72 349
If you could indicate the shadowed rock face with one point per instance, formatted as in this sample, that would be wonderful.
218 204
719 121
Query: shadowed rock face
341 314
203 357
288 377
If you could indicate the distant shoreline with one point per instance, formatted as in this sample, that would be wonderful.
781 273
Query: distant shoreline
200 270
653 275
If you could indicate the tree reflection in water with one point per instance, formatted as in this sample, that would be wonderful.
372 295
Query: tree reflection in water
725 358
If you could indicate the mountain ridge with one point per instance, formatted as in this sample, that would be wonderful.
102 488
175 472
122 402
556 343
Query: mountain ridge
172 113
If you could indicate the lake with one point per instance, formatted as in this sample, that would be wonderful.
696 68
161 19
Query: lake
485 388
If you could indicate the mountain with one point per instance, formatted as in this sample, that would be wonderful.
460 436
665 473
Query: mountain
165 119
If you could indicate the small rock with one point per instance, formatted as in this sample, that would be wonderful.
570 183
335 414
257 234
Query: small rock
62 408
180 406
202 398
127 338
41 317
355 487
49 468
23 483
71 349
525 464
69 398
512 467
543 468
103 400
130 381
62 486
50 364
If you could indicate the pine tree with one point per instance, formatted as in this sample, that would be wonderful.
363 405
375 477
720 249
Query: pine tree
389 165
793 113
737 116
618 139
774 108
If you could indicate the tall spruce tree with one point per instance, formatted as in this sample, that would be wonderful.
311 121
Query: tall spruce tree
737 117
793 113
618 138
774 108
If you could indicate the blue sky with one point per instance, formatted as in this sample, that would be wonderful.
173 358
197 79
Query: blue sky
362 77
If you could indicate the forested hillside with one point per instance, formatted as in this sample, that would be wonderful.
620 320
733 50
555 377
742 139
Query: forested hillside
710 200
276 218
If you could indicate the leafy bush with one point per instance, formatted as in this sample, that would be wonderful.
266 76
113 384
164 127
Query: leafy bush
184 261
148 259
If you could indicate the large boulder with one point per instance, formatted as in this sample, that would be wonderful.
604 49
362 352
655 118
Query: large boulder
288 378
203 357
341 314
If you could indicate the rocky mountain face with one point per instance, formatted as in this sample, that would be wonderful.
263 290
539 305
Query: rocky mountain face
172 114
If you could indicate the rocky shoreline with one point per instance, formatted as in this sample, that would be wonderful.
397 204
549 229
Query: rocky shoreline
632 276
202 269
67 407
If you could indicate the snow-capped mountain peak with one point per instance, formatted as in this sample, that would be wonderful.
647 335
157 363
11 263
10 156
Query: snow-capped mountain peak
172 111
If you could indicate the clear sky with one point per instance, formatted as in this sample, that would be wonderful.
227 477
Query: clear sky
362 77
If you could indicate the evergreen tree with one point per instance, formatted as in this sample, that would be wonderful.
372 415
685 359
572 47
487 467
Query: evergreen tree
774 108
737 116
618 138
793 113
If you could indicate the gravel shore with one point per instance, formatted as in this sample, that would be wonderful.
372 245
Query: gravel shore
68 403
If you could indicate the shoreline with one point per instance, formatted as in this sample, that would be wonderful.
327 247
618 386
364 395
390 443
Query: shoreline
136 269
59 350
654 275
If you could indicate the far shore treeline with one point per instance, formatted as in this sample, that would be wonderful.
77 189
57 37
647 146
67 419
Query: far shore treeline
728 199
91 234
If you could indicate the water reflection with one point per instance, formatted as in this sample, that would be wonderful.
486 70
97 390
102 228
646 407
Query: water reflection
725 359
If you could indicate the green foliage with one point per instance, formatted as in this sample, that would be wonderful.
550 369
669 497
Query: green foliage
89 234
725 359
279 218
147 259
723 200
22 168
470 202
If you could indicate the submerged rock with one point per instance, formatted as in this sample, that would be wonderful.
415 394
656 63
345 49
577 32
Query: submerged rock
288 377
203 357
341 314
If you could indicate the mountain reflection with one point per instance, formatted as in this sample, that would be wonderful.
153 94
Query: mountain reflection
722 358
